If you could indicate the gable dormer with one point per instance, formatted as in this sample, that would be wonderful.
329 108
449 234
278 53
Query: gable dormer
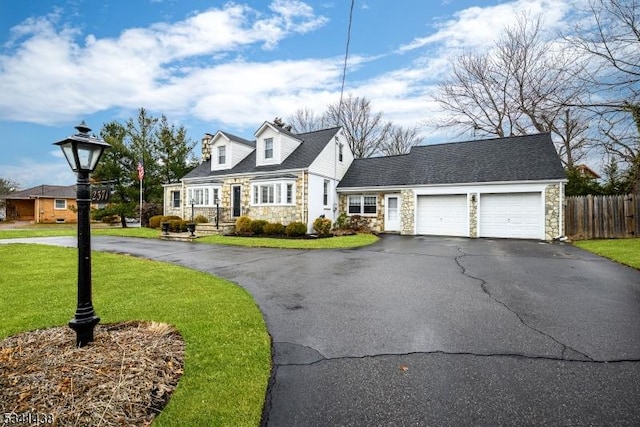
274 144
228 150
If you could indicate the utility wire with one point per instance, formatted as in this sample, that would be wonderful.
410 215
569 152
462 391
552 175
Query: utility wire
346 57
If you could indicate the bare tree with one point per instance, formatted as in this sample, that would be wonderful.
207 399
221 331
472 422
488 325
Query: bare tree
524 85
400 140
612 44
305 120
365 131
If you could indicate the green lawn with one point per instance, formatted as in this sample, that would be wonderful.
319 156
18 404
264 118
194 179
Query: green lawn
227 354
624 251
263 242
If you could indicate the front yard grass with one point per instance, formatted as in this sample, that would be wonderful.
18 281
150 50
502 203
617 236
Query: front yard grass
338 242
624 251
227 347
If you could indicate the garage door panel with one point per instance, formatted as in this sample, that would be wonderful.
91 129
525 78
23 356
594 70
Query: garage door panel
511 215
443 215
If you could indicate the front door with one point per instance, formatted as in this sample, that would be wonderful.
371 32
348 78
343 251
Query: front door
392 213
236 202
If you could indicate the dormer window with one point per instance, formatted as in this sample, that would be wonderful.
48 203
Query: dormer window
268 148
222 154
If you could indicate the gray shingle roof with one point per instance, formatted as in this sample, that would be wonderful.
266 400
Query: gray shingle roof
302 157
239 139
521 158
45 191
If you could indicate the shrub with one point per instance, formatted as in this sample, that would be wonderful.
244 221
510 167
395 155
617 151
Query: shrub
322 226
358 223
156 220
273 229
243 225
296 229
257 226
150 210
201 219
177 226
342 222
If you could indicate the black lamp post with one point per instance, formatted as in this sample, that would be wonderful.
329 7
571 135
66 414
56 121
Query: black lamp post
83 152
217 211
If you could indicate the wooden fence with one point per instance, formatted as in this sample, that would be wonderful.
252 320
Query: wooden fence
602 217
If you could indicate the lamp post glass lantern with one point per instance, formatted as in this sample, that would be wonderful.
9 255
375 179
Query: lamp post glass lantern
83 153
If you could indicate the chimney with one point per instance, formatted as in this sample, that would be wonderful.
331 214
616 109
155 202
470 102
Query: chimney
206 147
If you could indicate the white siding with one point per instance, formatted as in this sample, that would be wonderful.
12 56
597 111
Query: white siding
283 146
327 162
235 152
315 202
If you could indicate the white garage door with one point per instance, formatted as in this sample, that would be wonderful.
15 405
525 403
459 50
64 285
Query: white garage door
514 215
443 215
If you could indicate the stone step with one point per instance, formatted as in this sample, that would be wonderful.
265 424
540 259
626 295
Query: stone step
210 228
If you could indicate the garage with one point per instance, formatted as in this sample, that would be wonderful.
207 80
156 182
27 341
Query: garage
442 215
511 215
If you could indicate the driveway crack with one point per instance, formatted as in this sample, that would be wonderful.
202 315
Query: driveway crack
483 286
472 354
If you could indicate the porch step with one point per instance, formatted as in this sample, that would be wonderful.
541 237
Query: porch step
208 228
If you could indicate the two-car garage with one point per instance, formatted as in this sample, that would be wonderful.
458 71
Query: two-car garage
503 215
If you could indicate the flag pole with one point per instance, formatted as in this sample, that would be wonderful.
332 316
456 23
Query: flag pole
140 178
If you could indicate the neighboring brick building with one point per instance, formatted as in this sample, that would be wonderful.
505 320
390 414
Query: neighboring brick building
42 204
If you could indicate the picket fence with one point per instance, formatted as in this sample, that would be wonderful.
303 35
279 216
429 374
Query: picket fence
602 217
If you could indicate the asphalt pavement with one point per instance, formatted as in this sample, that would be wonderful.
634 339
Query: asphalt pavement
427 331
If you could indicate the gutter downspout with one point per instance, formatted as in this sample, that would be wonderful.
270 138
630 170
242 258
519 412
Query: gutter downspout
304 195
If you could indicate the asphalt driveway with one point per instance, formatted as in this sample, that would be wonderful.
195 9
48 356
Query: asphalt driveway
436 331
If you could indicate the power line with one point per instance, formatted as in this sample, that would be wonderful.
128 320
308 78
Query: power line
346 57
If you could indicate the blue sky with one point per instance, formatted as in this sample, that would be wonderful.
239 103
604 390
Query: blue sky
211 65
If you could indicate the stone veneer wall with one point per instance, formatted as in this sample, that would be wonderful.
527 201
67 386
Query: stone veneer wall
281 214
473 215
407 212
375 223
552 211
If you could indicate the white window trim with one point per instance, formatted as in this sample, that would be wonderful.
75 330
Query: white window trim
326 191
209 200
55 206
173 200
362 197
278 194
272 149
225 155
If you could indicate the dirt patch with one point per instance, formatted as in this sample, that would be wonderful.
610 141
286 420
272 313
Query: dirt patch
124 378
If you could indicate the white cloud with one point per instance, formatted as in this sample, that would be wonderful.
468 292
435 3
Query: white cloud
49 77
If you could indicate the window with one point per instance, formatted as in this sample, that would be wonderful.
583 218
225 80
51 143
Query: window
340 152
60 204
222 155
203 196
273 193
175 199
325 193
268 148
362 205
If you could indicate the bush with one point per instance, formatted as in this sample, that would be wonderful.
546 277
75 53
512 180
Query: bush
257 226
273 229
243 225
177 226
322 226
156 220
296 229
150 210
342 222
358 223
201 219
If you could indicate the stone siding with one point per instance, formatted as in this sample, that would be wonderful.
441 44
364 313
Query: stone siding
407 212
473 215
552 211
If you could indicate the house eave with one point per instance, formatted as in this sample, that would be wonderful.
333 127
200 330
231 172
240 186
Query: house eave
397 188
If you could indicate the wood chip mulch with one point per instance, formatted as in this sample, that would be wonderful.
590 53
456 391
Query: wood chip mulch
123 378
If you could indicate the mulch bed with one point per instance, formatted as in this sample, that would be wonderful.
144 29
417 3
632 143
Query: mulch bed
123 378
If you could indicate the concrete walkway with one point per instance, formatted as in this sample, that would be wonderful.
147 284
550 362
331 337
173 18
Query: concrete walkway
435 331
